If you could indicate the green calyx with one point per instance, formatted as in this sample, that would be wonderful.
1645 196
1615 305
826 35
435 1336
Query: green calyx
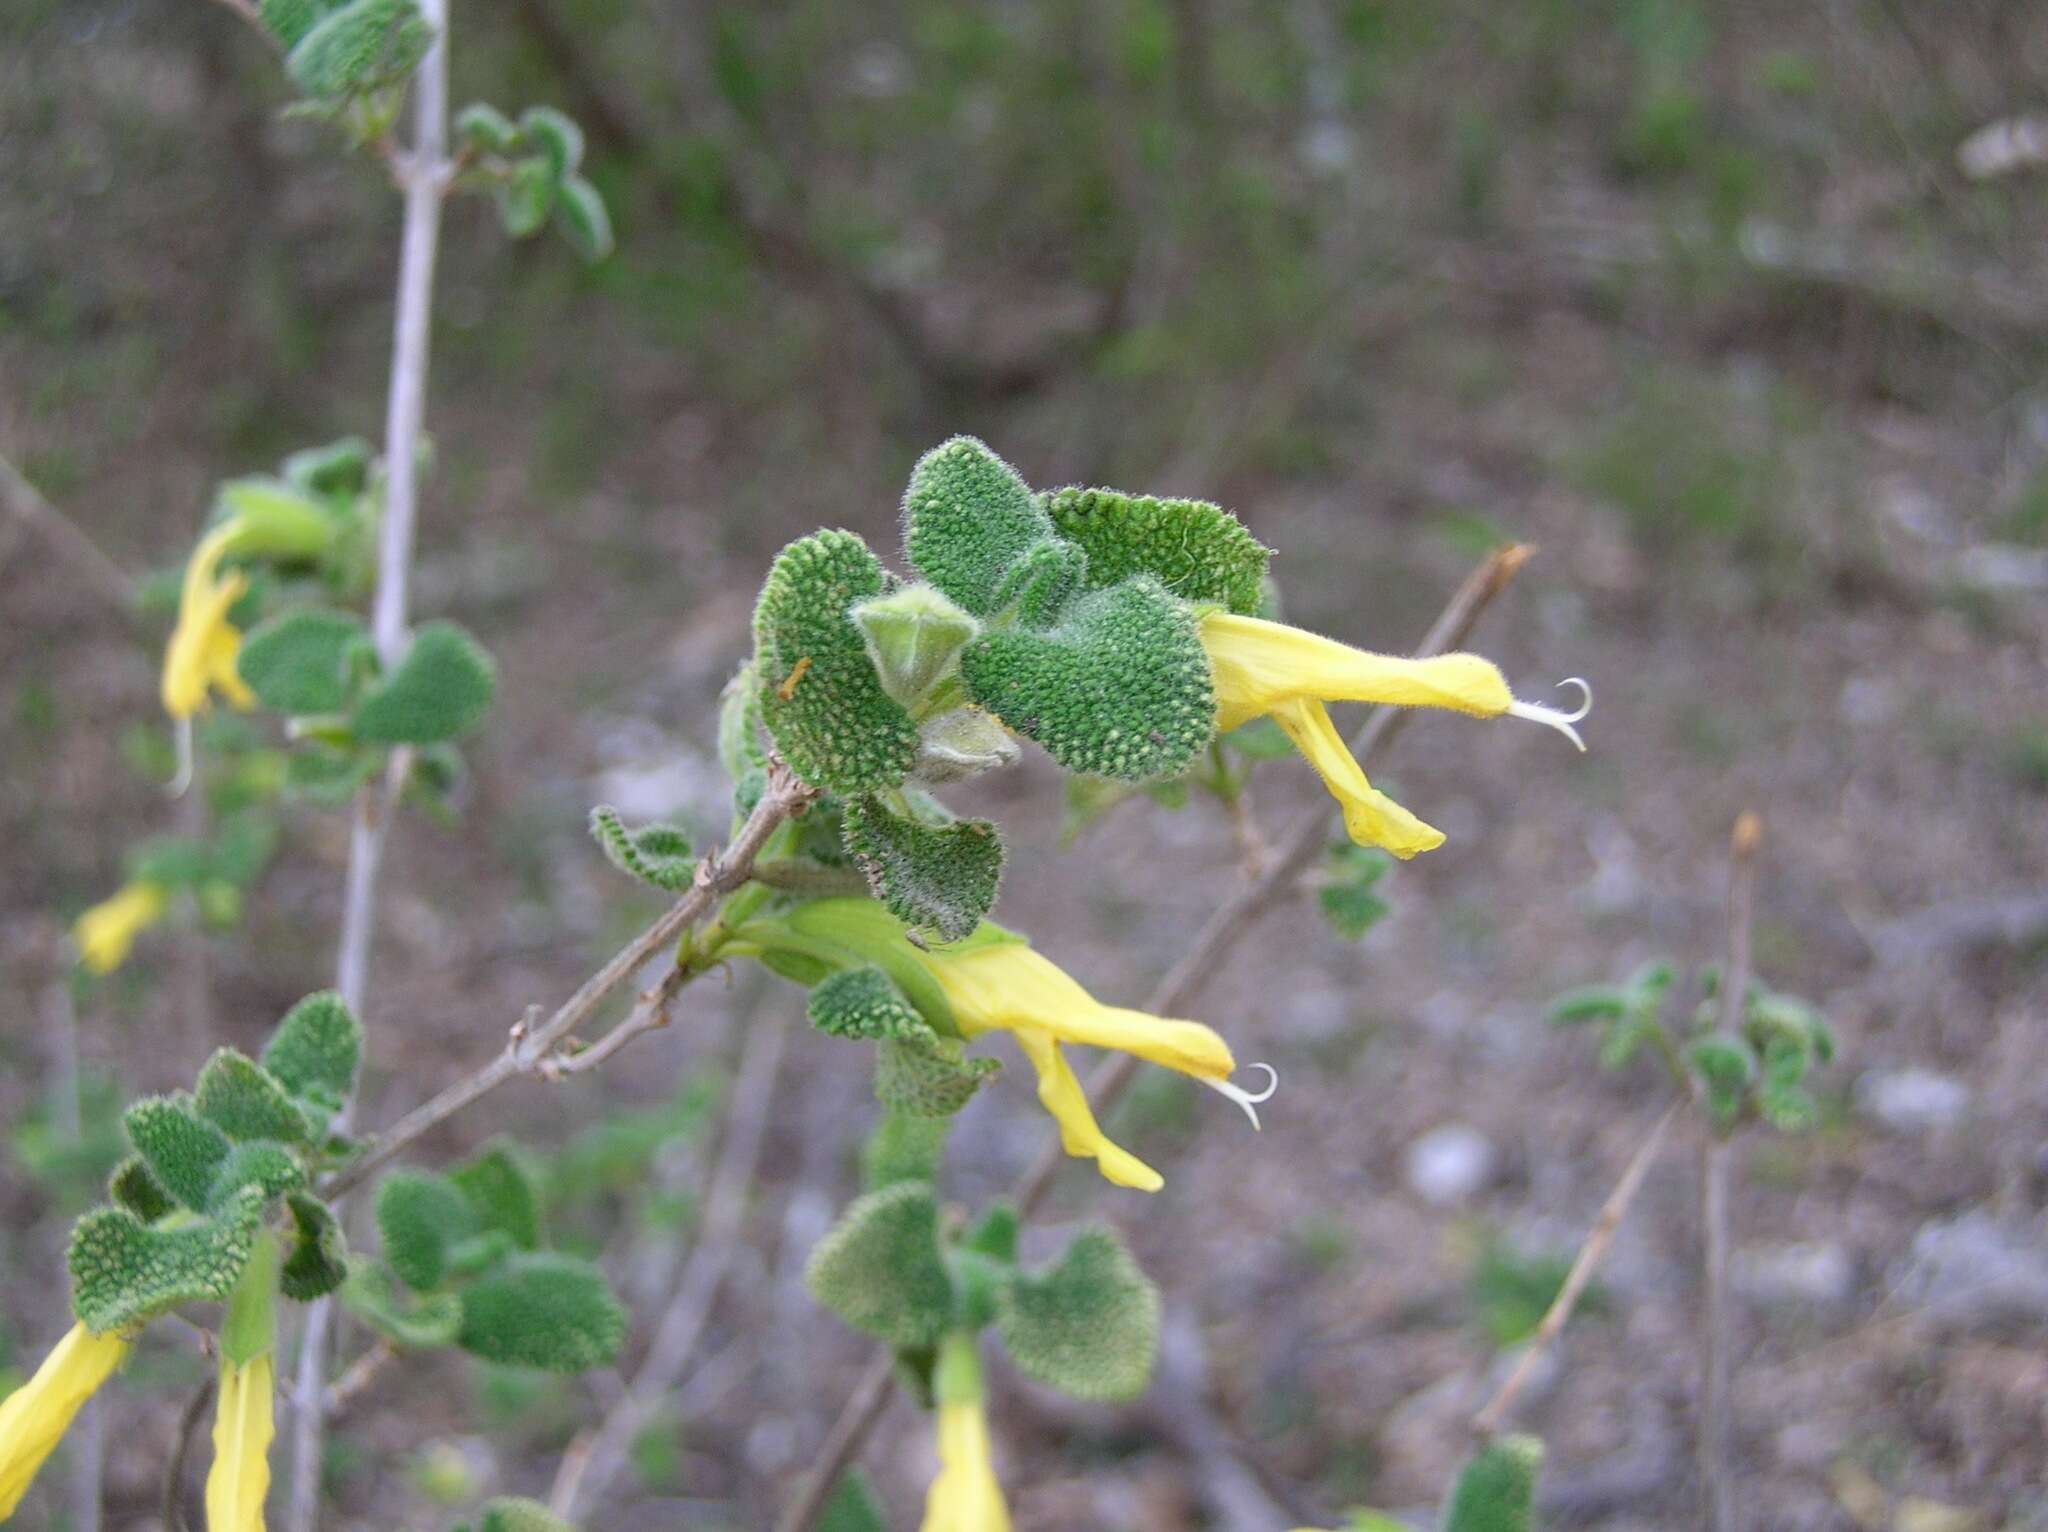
249 1329
914 637
821 699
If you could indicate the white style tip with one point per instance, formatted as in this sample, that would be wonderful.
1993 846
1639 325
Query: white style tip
1243 1097
1561 721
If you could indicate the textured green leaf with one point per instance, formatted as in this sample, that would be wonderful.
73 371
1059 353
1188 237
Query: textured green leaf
298 662
864 1003
581 215
1120 688
482 126
268 1167
440 690
1726 1066
316 1049
1594 1002
543 1310
820 697
526 196
932 878
290 20
1496 1490
1348 900
879 1267
182 1150
359 47
325 777
1198 551
244 1100
928 1076
335 468
657 854
556 135
501 1189
420 1215
1088 1326
373 1294
967 518
123 1272
316 1262
134 1188
1043 581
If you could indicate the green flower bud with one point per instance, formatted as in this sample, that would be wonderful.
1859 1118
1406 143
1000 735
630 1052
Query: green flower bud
914 638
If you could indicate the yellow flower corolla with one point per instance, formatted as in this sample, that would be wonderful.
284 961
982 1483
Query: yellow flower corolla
995 981
105 933
965 1495
35 1416
200 658
1270 670
242 1427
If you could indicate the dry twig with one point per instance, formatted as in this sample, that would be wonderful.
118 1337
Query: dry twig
25 503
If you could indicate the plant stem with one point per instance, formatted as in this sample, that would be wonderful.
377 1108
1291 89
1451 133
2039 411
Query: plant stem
1612 1212
25 503
1232 919
426 176
1716 1235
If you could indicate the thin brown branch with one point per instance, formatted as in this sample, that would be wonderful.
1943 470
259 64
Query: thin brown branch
27 506
531 1044
597 1455
1490 1419
1717 1484
1229 924
172 1507
361 1373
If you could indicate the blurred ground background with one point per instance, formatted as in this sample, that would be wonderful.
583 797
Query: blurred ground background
1696 297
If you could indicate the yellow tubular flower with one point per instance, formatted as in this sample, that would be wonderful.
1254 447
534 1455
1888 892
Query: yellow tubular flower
1269 670
200 658
995 981
242 1427
105 933
35 1416
965 1496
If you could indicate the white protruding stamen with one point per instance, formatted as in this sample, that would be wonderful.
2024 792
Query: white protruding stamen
1243 1097
1561 721
182 730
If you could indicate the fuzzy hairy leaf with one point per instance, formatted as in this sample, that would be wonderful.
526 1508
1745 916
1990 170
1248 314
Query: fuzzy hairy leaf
245 1100
820 697
556 135
1594 1002
501 1190
420 1216
941 879
182 1150
1088 1326
927 1076
1120 688
268 1167
374 1295
133 1187
482 126
317 1261
863 1003
967 518
440 690
298 662
657 854
1496 1490
879 1267
290 20
359 47
581 215
316 1049
123 1272
510 1514
1726 1066
334 468
1198 551
543 1310
526 196
1046 577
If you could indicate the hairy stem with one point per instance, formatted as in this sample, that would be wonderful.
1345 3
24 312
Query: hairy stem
426 177
1232 919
